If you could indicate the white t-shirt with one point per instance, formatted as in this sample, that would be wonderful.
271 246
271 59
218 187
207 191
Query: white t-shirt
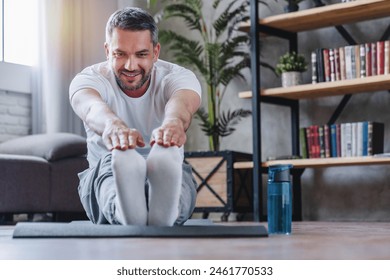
144 113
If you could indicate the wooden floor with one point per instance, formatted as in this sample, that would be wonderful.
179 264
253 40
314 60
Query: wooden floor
309 240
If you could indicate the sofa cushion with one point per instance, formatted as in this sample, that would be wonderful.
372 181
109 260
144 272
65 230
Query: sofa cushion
51 146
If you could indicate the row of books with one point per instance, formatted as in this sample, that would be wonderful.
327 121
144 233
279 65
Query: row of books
350 62
342 140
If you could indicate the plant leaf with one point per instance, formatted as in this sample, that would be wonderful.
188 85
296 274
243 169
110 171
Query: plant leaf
230 119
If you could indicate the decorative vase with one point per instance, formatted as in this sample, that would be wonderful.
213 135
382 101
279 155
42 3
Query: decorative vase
291 7
291 78
318 3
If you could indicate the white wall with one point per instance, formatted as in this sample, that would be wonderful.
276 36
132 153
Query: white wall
15 77
15 101
15 114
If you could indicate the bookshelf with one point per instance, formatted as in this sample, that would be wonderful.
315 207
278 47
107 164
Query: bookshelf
367 84
287 26
320 162
326 16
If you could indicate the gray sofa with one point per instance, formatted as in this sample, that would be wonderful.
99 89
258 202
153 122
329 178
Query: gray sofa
38 174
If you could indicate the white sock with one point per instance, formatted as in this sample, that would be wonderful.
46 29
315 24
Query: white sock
129 169
164 171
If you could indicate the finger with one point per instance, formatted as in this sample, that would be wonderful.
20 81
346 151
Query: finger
140 141
167 138
124 141
107 142
159 137
182 140
115 142
132 142
152 141
178 140
175 140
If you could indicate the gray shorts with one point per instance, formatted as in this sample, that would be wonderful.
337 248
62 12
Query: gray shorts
91 181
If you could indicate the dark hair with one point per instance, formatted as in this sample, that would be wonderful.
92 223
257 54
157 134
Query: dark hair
134 19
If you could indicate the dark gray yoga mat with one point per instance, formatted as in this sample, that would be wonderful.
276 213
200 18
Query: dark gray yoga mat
85 229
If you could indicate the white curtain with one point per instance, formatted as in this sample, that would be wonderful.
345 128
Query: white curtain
71 38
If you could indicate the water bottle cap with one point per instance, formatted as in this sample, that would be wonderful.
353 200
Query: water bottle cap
279 173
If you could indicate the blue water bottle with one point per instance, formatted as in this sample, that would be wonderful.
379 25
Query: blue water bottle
279 199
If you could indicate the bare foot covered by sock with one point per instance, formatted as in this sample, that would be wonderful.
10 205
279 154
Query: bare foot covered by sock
129 169
164 171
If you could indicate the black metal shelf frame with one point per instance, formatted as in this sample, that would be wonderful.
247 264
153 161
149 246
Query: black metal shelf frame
255 28
291 37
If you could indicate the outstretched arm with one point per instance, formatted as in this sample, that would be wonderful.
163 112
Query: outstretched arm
89 106
178 115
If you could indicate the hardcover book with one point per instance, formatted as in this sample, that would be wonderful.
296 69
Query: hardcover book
368 60
332 65
380 57
320 66
309 142
342 63
327 140
357 61
322 141
333 140
387 57
349 65
303 142
375 138
326 64
315 141
314 66
337 63
373 59
359 139
347 139
362 61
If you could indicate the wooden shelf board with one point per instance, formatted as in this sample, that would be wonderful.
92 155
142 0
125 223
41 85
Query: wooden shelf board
320 162
326 16
368 84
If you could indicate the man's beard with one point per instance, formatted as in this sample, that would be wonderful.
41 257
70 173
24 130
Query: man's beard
124 87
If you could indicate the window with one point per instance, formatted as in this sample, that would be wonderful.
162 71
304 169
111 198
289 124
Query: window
1 30
19 31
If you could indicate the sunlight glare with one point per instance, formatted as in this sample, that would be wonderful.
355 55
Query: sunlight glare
21 31
1 31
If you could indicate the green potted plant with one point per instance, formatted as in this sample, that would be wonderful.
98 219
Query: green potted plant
290 67
292 6
219 54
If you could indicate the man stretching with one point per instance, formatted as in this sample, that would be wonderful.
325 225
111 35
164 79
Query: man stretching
136 109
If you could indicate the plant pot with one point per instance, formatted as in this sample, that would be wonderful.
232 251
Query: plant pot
291 7
291 79
221 188
318 3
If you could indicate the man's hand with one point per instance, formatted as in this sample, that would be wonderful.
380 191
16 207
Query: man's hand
178 114
117 135
171 133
